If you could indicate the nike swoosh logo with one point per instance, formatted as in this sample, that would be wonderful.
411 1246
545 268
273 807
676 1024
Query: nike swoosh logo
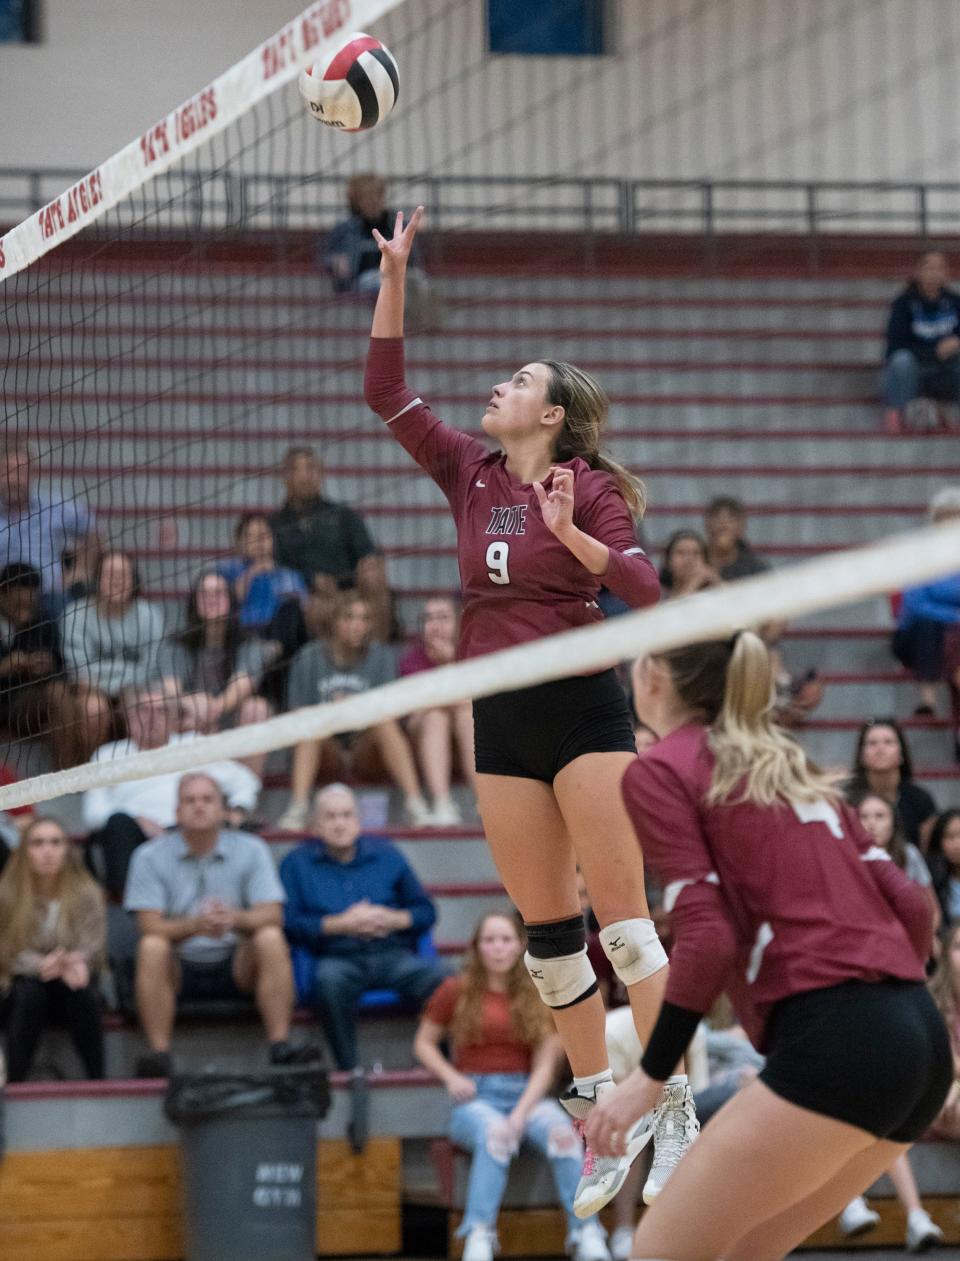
482 485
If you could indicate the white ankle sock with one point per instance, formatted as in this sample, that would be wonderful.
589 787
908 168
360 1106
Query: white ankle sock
678 1079
592 1084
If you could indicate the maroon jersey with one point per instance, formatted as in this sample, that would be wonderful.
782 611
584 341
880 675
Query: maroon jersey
767 901
519 582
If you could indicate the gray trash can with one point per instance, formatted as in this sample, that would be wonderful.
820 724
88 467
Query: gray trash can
249 1153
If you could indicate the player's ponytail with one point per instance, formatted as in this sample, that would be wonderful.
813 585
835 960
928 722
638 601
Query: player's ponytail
731 684
585 406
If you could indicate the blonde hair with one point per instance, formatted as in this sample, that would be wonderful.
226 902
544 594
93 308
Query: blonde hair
529 1019
76 888
586 407
731 683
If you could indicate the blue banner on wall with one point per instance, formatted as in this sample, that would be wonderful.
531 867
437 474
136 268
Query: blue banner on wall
568 28
18 21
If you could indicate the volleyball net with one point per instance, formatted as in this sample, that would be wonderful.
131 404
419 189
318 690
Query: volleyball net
806 588
171 328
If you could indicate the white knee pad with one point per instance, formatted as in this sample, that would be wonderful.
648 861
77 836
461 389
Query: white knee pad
634 949
562 981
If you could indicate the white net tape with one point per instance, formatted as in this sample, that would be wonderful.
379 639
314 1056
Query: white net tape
840 578
306 39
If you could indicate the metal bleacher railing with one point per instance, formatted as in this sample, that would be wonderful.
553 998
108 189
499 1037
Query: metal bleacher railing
237 200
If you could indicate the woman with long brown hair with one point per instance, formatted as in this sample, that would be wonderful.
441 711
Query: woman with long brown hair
52 939
504 1056
543 524
778 897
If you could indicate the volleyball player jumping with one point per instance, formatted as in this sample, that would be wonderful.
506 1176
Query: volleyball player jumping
541 525
779 898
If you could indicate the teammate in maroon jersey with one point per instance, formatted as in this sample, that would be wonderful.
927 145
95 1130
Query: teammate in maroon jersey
779 898
541 525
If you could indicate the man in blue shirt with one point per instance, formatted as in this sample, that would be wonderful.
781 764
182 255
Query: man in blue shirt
356 904
55 535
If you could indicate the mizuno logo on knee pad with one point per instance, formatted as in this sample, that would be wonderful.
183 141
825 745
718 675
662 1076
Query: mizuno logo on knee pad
634 949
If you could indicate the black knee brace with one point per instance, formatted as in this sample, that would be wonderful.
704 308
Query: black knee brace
556 959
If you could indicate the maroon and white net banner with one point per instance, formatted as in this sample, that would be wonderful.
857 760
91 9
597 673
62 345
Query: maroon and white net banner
311 36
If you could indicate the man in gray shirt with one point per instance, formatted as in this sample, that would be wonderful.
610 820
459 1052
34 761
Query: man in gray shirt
209 904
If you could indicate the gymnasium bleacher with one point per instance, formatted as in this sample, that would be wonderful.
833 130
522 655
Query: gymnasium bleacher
747 381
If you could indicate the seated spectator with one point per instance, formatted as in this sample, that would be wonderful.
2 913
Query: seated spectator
685 568
730 556
882 765
350 253
878 817
327 543
943 859
270 598
503 1058
728 552
52 940
945 988
35 697
436 731
212 668
345 665
357 906
52 533
923 346
930 617
111 640
122 816
209 906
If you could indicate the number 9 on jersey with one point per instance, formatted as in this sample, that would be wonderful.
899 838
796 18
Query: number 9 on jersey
497 557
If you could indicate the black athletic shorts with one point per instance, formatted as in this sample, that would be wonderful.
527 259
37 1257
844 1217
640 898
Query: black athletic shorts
208 982
533 733
876 1055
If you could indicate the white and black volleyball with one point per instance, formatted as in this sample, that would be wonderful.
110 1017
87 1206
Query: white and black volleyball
356 87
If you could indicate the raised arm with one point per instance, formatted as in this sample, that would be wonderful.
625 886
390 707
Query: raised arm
446 454
394 255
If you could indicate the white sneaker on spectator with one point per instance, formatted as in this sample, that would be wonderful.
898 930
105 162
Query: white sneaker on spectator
675 1128
601 1176
480 1244
923 1232
445 813
857 1218
417 812
294 818
589 1243
621 1242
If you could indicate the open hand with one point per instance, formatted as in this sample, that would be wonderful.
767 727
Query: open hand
556 507
395 252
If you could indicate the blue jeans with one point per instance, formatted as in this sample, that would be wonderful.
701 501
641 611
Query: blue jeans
475 1125
905 377
338 981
